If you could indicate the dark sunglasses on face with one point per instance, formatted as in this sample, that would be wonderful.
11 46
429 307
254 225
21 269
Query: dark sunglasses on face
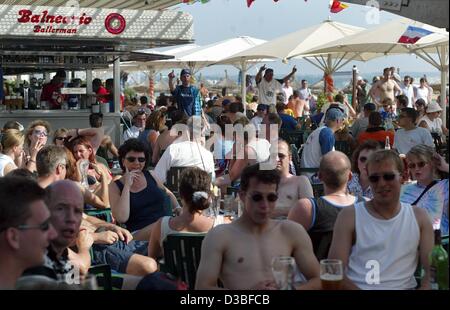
43 227
387 177
420 165
132 159
259 197
61 138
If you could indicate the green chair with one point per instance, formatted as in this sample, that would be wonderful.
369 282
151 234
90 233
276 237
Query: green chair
103 275
292 136
182 253
173 179
103 214
295 158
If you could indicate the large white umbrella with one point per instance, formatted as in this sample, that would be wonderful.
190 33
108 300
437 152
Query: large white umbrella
295 44
383 40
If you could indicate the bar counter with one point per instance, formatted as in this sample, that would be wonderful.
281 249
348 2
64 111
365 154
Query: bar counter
65 118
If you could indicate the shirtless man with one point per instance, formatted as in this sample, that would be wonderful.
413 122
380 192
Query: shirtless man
240 253
384 88
292 187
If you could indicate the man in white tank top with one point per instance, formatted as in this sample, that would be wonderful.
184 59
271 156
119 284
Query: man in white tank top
380 240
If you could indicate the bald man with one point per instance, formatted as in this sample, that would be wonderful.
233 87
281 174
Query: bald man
317 215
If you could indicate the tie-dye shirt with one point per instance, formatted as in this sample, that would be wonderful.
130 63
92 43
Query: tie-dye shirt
434 201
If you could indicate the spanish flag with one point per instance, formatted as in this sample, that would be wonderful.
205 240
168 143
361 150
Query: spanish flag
336 6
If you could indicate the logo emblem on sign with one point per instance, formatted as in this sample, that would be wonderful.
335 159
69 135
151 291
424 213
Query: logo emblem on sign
115 23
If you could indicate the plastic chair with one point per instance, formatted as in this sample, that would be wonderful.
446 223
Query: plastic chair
292 137
182 253
173 179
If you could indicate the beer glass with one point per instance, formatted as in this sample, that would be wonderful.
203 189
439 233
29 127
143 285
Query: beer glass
331 274
228 203
283 270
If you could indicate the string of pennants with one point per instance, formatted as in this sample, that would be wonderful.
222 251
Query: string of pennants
335 5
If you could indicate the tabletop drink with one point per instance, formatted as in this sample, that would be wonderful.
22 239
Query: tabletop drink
331 274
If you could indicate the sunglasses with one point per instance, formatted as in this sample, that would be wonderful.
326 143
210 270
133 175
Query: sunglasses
43 227
40 133
363 159
61 138
132 159
260 197
420 165
387 177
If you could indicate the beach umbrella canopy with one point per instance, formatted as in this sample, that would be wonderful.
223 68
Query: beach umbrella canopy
399 36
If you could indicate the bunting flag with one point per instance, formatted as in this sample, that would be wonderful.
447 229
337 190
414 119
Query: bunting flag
413 34
194 1
336 6
250 2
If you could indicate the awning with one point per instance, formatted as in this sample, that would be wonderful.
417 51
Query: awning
107 4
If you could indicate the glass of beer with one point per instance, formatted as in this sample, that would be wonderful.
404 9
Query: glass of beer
283 270
331 274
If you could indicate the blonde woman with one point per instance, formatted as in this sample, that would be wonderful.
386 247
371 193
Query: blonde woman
35 139
12 151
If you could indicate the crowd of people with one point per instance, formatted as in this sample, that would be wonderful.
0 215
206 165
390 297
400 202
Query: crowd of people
381 197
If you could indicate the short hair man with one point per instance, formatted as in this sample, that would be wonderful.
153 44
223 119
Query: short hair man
268 86
384 88
383 234
138 121
25 229
240 253
291 187
317 215
186 95
376 131
51 165
409 135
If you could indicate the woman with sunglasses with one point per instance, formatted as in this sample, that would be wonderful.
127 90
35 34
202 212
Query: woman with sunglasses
138 199
359 184
195 193
35 139
60 136
11 154
428 192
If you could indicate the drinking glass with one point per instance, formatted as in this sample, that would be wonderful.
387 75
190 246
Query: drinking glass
331 274
228 203
283 270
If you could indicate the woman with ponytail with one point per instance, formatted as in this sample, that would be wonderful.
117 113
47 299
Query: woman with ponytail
195 193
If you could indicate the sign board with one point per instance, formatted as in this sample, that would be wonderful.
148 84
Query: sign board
73 91
90 23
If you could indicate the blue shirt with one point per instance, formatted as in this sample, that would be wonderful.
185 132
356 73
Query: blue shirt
188 99
288 122
326 140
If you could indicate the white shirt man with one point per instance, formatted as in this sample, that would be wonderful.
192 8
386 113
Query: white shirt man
184 154
288 91
408 91
268 87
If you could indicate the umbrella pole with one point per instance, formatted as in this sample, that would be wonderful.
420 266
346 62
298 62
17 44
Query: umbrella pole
243 85
444 69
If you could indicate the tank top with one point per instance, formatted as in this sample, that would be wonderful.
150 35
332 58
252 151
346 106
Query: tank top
146 206
4 161
391 246
166 230
324 216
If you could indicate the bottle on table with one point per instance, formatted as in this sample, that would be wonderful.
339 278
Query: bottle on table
387 144
438 264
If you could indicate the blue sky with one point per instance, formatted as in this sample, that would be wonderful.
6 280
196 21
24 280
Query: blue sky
222 19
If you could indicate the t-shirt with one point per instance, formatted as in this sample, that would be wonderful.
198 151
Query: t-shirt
434 201
51 93
319 142
408 92
268 91
404 140
288 122
103 92
288 91
188 99
422 93
377 134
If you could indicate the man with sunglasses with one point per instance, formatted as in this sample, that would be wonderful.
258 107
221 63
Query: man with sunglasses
240 253
380 241
25 230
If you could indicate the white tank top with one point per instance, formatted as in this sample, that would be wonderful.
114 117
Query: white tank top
4 161
166 230
391 246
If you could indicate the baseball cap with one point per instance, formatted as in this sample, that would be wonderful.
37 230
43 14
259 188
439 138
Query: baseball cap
262 107
334 114
369 106
226 102
185 71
